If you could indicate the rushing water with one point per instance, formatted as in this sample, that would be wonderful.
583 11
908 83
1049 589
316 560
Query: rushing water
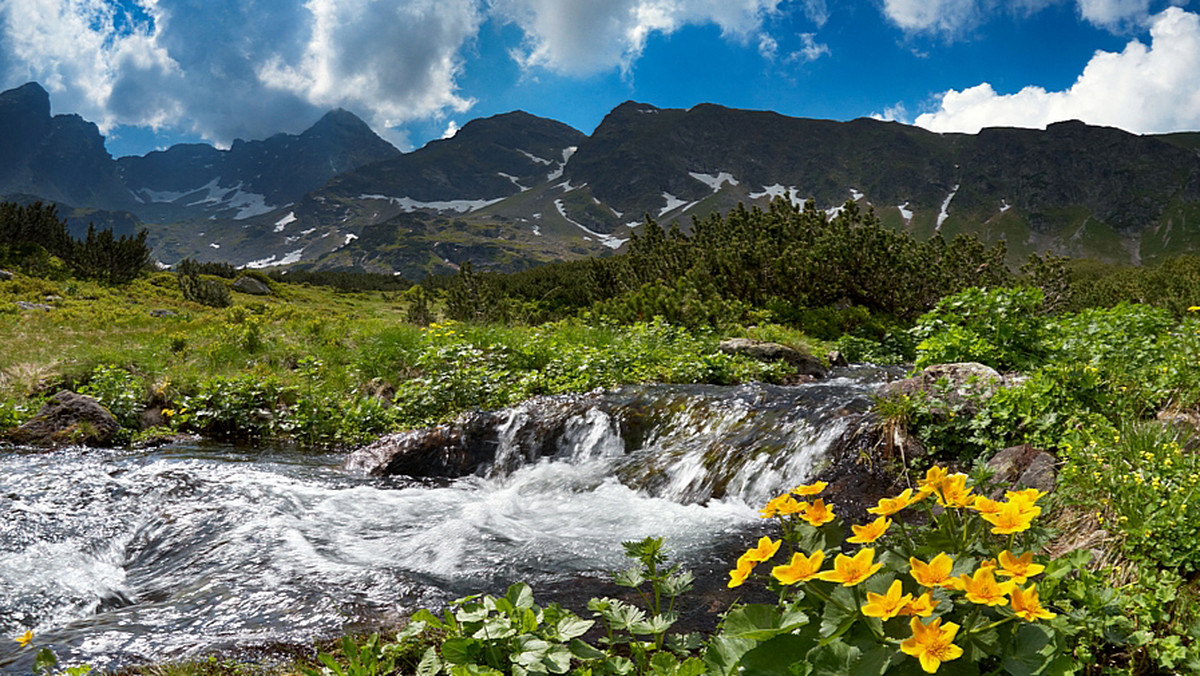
118 557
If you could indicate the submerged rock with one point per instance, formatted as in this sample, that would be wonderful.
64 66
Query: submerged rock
66 419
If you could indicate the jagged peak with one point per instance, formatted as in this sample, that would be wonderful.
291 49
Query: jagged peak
30 95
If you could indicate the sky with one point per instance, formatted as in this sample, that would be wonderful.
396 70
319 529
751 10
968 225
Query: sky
152 73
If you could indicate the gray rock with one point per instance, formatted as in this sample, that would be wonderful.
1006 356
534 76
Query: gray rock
163 313
5 275
1024 467
68 418
251 286
51 298
958 386
26 305
806 365
836 358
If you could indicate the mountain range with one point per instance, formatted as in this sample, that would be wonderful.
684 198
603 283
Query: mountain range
514 190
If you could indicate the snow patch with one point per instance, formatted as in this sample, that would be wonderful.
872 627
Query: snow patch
288 258
673 203
248 204
567 187
905 212
1004 206
535 158
944 214
308 232
156 196
215 245
350 238
609 241
832 212
537 230
855 194
715 181
772 192
283 222
566 157
515 181
409 205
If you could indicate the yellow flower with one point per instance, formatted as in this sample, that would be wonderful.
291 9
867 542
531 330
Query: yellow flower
985 505
810 489
889 506
1012 517
1025 604
921 606
983 589
849 571
886 606
765 549
934 478
738 575
1194 308
870 532
25 639
1028 496
1019 568
818 513
801 569
936 573
782 505
931 643
955 492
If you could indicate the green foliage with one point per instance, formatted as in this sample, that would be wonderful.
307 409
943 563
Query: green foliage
210 292
117 390
1002 328
33 237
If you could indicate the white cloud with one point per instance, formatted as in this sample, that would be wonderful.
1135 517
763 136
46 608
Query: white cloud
451 130
921 16
227 68
1114 14
1142 89
896 113
811 50
582 37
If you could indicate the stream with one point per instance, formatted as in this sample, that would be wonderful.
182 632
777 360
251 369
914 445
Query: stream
119 557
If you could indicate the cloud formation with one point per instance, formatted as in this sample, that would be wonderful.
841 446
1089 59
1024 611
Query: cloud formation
225 68
582 37
952 18
1142 89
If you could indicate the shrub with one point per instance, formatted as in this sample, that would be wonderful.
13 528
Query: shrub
1002 328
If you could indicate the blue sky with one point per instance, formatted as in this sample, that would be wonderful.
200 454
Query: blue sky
156 72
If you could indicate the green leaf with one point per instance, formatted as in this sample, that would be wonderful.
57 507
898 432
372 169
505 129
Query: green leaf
584 651
430 664
840 615
692 666
629 578
461 650
776 657
1025 656
572 626
557 659
520 595
618 665
834 658
663 664
760 622
724 652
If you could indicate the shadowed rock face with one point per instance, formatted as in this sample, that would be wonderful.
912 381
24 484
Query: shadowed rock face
68 418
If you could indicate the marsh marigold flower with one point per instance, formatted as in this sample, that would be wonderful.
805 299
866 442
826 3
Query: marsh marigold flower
889 506
801 569
983 589
936 573
931 643
921 606
955 492
886 606
1025 604
848 571
935 477
1012 517
818 513
25 639
1019 568
870 532
806 490
738 575
764 550
985 505
782 505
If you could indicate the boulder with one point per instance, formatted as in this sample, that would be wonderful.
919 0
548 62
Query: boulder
68 418
5 275
163 313
805 365
1024 467
251 285
958 386
836 358
26 305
